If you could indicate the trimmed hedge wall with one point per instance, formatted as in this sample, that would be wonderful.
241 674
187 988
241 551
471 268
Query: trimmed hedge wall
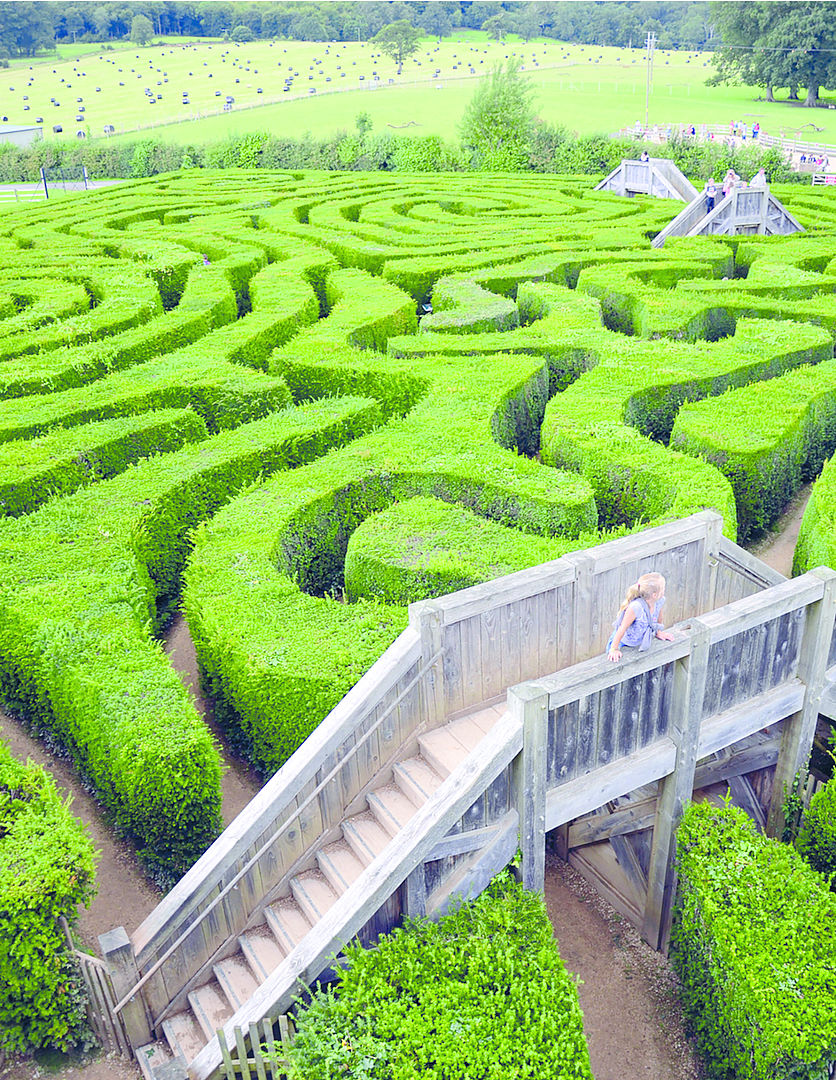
482 992
423 548
816 545
35 470
47 868
754 944
767 438
75 652
816 839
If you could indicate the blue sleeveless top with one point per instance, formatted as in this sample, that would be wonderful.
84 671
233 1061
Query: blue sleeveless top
642 629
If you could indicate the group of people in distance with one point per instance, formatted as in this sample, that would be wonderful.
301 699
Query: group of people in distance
730 181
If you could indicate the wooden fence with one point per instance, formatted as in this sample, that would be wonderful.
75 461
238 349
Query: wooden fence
101 999
258 1053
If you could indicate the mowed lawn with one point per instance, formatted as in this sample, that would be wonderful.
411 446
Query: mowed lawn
590 89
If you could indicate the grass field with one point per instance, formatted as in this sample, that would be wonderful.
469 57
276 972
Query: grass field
590 89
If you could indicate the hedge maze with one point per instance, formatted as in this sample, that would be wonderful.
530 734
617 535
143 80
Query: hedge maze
221 390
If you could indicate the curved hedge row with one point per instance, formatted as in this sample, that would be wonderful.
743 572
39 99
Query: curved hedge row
275 291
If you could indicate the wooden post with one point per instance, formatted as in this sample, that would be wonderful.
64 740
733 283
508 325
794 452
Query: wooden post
799 729
415 893
675 790
713 533
427 618
118 954
530 703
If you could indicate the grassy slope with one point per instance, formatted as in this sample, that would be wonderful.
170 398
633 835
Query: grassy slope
588 88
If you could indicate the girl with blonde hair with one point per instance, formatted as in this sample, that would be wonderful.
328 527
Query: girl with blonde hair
637 622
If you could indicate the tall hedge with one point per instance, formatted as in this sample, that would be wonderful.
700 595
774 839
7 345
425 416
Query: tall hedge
481 993
47 868
754 944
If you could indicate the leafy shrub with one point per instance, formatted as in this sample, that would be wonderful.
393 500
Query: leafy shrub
754 943
483 992
817 837
47 868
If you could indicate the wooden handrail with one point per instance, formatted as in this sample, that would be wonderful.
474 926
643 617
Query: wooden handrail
232 883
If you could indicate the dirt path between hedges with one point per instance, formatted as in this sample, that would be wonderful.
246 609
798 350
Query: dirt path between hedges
627 991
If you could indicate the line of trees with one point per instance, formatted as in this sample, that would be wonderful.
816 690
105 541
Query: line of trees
778 44
26 28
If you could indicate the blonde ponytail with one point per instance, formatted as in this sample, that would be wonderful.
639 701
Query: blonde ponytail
647 585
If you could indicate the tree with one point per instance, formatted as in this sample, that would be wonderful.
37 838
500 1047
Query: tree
778 44
25 28
241 33
398 40
499 120
496 26
142 30
437 19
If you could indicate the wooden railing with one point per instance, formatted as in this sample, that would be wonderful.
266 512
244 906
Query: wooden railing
101 1000
459 651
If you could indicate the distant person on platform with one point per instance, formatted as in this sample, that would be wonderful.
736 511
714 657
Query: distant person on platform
644 156
710 195
758 180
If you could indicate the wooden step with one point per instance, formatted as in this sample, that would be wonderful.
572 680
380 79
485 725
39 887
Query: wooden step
365 836
288 923
442 750
183 1035
153 1056
210 1007
236 979
416 778
391 807
340 865
262 951
486 717
313 894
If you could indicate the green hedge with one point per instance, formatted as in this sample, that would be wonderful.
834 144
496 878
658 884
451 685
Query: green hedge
82 577
47 868
754 944
35 470
816 839
767 439
594 426
462 306
423 548
816 545
481 993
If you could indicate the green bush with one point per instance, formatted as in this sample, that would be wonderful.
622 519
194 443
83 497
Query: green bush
817 836
767 438
483 992
47 868
754 944
816 545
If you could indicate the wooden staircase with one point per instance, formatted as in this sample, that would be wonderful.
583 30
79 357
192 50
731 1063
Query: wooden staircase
334 867
493 718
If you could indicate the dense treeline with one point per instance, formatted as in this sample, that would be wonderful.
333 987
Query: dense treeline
26 28
551 150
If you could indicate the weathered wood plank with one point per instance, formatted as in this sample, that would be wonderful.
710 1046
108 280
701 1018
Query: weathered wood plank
377 882
585 793
745 798
529 704
529 639
470 636
490 595
800 728
686 708
599 673
762 607
491 655
548 633
745 718
740 562
451 643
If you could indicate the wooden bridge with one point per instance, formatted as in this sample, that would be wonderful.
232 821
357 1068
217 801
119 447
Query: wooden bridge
493 719
657 176
745 211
